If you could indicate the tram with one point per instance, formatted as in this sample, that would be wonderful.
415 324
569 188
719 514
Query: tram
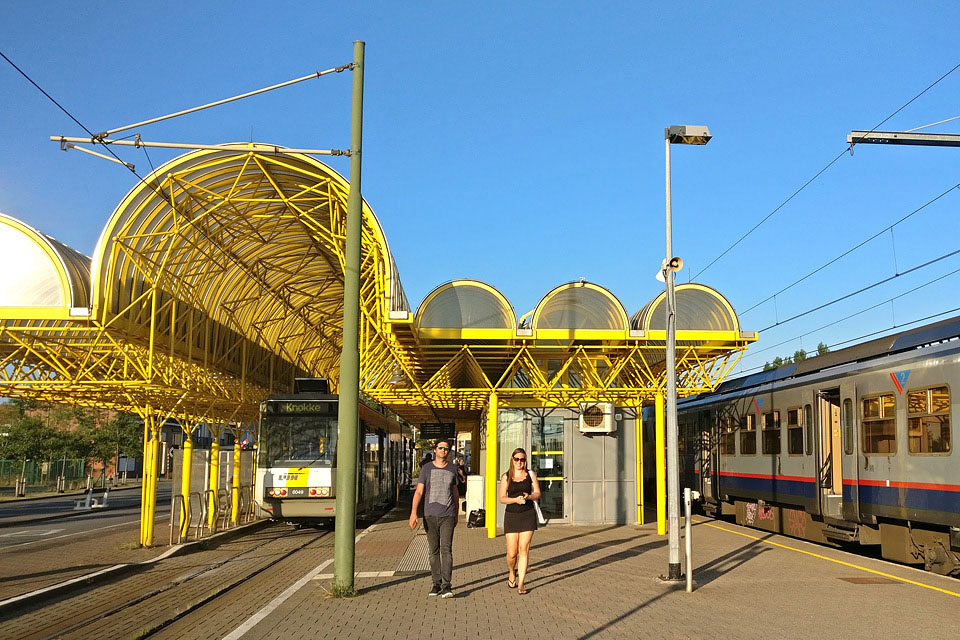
296 477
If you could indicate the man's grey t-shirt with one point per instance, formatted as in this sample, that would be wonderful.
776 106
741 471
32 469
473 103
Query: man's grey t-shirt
438 486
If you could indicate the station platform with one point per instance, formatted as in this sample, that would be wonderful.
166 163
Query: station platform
584 582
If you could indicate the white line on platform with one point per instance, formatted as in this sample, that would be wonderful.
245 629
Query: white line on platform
253 620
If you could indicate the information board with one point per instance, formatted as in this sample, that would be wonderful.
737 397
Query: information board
434 430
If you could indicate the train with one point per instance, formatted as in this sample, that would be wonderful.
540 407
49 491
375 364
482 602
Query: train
849 447
296 468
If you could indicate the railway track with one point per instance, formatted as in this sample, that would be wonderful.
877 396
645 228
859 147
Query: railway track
145 604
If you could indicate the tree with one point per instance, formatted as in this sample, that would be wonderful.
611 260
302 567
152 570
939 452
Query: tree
822 349
799 355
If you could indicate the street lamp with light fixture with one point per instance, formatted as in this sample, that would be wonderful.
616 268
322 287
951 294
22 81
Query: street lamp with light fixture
677 134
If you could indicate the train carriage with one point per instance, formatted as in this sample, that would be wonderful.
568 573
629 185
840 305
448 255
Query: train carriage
851 446
297 457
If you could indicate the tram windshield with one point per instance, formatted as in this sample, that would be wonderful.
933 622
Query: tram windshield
298 441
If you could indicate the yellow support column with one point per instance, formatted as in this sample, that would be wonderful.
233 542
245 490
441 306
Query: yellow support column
214 479
144 489
490 483
148 503
235 493
186 472
639 451
661 470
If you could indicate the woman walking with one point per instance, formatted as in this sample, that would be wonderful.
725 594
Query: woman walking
518 489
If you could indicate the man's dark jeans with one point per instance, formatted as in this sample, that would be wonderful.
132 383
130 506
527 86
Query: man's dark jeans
440 539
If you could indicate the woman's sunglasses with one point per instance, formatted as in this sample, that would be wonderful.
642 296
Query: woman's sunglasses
519 459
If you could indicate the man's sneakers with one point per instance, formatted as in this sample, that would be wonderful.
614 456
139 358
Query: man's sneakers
443 592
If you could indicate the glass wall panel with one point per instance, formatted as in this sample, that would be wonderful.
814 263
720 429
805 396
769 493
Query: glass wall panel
509 436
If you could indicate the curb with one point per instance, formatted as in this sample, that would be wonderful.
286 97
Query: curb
65 494
118 571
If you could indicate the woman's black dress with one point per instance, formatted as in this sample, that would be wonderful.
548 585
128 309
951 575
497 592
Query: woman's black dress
519 517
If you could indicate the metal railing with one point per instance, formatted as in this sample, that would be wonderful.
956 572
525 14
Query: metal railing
197 519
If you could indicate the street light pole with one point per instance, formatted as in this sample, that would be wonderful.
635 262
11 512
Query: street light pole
683 134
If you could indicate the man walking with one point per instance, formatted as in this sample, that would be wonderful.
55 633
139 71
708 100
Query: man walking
437 485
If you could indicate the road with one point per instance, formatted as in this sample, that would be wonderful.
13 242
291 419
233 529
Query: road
123 507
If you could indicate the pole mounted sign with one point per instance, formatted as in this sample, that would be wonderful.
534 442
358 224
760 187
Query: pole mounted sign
434 430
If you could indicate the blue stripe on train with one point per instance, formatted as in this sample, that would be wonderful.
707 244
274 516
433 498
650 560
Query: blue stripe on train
906 497
777 486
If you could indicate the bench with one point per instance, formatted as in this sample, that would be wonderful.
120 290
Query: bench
92 499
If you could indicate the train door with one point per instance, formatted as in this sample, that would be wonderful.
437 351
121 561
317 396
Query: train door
710 454
830 453
849 437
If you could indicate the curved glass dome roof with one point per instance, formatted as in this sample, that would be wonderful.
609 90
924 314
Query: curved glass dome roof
39 271
580 305
699 308
465 304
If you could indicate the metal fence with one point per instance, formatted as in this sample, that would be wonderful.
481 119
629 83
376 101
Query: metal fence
44 474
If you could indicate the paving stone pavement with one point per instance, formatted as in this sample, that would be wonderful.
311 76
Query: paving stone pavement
603 582
591 582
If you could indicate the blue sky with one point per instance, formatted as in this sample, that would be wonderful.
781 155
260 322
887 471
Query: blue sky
521 143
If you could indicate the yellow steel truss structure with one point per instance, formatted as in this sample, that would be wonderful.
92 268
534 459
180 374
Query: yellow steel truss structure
219 279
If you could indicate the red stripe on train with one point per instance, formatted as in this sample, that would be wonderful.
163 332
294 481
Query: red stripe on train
893 484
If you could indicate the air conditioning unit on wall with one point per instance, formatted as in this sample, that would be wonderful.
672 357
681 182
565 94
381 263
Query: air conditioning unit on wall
597 417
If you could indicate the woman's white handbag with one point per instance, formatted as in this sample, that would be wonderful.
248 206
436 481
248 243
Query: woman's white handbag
540 518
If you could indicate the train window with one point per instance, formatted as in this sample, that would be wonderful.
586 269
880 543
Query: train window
794 432
770 425
808 427
879 425
848 426
728 436
748 436
928 420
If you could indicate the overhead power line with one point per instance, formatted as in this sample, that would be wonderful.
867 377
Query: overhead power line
819 173
872 333
855 314
851 250
861 290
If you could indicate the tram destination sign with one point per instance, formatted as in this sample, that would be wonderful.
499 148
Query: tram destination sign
434 430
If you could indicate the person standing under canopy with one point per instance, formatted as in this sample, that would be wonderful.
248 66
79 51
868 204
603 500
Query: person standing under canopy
437 487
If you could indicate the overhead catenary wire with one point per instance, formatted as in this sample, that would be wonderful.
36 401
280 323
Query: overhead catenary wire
819 173
851 250
129 166
872 333
861 290
855 314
